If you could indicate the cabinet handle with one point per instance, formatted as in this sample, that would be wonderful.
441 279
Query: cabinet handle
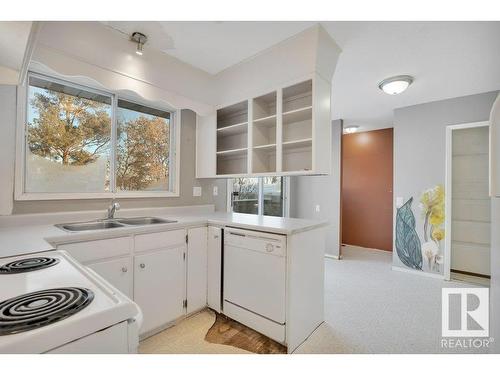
124 269
142 265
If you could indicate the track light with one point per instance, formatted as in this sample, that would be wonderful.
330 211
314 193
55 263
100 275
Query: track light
140 39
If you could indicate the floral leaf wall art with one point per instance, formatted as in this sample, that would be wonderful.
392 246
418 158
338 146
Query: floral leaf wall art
408 245
432 206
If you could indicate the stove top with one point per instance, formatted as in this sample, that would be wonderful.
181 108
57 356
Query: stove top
38 309
50 307
27 265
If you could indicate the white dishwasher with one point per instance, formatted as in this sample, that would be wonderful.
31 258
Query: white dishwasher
254 286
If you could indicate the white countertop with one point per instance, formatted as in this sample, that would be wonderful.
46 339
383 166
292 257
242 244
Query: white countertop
25 239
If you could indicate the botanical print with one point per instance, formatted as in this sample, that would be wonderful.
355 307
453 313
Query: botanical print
432 206
408 245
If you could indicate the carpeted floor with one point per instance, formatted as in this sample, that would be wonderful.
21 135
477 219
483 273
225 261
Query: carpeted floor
368 309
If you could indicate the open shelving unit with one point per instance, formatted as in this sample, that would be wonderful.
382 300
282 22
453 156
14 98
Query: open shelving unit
297 128
264 121
284 132
232 139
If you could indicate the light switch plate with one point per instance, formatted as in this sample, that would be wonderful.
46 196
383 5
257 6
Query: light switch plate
196 191
216 190
317 208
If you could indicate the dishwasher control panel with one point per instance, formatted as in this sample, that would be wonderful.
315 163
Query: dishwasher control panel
269 243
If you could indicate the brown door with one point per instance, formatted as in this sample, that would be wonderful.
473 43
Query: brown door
367 171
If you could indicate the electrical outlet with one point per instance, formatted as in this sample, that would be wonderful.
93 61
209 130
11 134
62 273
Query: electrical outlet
196 191
317 208
216 190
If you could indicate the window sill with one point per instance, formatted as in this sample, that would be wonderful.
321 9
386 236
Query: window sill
74 196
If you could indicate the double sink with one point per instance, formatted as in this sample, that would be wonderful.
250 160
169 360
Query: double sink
112 223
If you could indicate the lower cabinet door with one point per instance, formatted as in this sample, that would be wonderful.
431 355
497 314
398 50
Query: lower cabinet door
118 272
159 286
214 261
196 270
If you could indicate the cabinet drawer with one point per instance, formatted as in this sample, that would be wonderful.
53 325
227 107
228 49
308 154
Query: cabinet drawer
101 249
159 240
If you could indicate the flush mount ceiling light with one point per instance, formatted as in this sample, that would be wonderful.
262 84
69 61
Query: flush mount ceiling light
351 129
140 39
395 85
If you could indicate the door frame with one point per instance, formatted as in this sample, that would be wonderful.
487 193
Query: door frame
447 189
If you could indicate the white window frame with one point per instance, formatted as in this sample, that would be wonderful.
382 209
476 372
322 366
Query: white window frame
20 170
260 210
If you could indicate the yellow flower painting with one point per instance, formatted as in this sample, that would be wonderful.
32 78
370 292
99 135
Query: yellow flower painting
433 211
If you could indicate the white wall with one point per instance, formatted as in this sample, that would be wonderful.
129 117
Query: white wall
306 192
7 147
420 146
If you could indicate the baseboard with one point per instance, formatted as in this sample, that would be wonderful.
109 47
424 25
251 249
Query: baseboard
420 273
336 257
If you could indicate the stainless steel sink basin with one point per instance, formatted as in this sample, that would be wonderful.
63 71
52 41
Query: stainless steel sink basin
144 221
91 225
112 223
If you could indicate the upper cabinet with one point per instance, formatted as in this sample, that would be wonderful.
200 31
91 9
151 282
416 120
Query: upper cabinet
280 132
282 126
495 149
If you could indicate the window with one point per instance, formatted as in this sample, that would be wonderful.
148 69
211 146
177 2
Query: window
85 143
260 196
142 151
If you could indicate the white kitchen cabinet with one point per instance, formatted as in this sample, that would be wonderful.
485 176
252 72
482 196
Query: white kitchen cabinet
495 149
196 280
214 269
118 272
159 286
283 132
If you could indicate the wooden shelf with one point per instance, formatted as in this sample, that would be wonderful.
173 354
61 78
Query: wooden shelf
265 121
297 115
265 147
234 152
233 129
299 143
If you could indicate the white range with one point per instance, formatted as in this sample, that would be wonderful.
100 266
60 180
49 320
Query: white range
49 303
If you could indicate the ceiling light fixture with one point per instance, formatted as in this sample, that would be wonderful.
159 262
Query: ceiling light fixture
351 129
140 39
395 85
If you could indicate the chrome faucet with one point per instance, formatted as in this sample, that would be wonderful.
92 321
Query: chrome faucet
115 206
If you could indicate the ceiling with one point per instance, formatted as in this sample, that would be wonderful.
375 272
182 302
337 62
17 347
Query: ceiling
211 46
447 59
13 39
